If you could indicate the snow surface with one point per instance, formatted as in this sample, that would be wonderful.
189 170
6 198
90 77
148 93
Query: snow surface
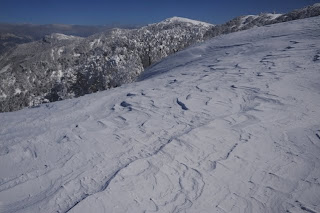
17 91
5 69
231 125
3 95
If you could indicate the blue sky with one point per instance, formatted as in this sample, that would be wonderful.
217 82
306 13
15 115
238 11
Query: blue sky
99 12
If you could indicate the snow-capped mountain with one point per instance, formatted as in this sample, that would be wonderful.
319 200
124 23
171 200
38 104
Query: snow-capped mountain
187 21
250 21
231 125
61 67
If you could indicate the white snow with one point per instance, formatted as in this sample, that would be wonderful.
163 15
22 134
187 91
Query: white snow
273 15
231 125
56 51
244 19
57 74
270 15
186 20
60 51
17 91
116 58
5 69
3 95
52 54
95 42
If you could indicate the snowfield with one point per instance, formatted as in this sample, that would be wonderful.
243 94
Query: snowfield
231 125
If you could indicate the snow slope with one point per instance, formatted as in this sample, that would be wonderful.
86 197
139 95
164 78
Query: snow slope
231 125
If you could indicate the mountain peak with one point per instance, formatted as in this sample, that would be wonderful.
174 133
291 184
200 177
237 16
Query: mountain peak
60 36
186 20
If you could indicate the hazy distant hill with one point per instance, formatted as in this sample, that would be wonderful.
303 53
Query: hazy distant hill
13 34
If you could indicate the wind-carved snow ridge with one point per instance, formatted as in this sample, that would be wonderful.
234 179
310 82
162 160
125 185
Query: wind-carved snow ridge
231 125
142 156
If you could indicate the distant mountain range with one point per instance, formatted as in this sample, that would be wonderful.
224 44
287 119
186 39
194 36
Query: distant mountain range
13 34
63 66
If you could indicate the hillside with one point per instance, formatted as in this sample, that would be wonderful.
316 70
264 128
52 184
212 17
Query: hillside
231 125
250 21
13 34
59 67
56 68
